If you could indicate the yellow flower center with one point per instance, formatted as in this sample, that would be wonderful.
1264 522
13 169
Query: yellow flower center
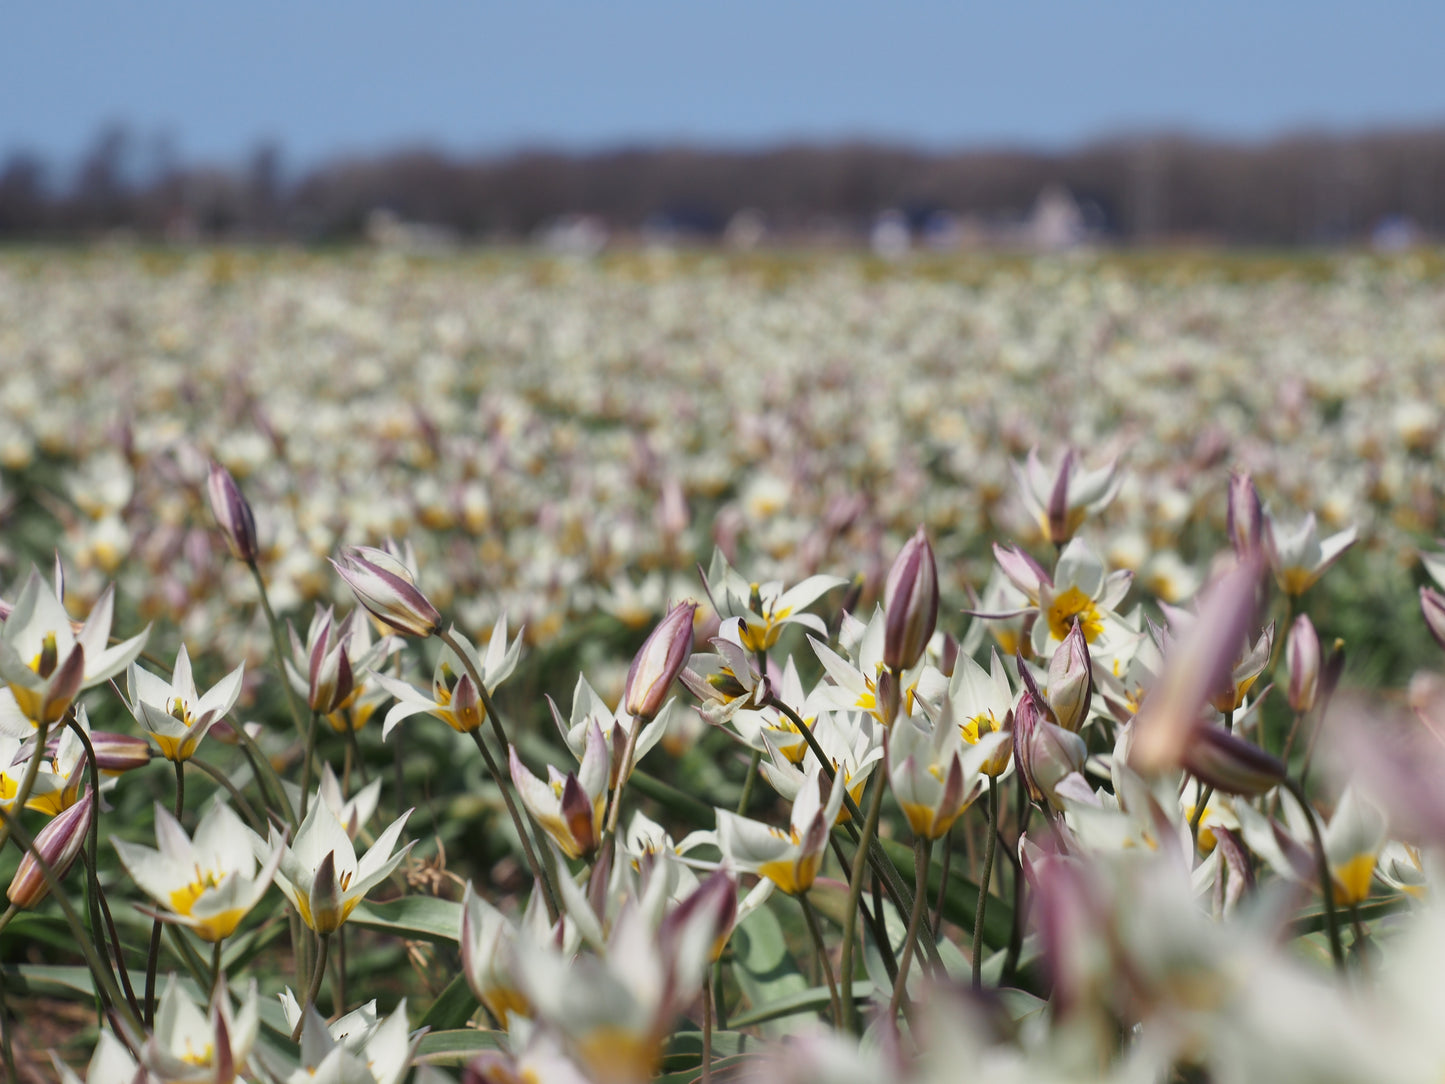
1072 604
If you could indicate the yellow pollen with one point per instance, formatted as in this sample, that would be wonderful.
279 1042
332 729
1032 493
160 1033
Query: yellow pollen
1069 605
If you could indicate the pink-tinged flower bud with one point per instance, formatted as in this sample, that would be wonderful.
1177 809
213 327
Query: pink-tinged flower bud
1071 685
329 677
580 816
948 658
1302 654
910 603
116 753
59 842
1029 717
326 897
233 514
889 697
1432 605
1229 764
63 686
383 585
659 660
1245 515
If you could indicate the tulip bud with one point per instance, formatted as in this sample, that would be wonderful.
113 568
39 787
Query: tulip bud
889 697
59 842
1302 654
1029 716
325 898
659 660
1245 516
1071 686
910 603
116 753
383 585
580 816
1432 605
1052 754
233 514
1229 764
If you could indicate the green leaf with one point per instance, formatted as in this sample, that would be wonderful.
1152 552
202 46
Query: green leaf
1313 921
723 1070
453 1007
457 1046
684 1048
417 918
764 969
812 1000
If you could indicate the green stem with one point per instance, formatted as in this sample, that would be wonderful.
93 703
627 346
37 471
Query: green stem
937 927
247 810
353 749
720 1005
821 951
706 1034
87 948
532 864
628 752
855 894
278 649
1322 866
1201 803
1016 932
266 777
91 849
306 762
988 852
921 848
10 912
27 782
215 967
752 777
338 991
315 988
5 1044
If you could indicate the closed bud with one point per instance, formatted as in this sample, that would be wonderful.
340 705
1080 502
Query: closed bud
233 514
1029 716
889 697
466 705
325 899
1245 515
116 753
1302 654
910 603
1052 754
1061 525
386 588
59 842
1229 764
659 660
1071 686
1432 605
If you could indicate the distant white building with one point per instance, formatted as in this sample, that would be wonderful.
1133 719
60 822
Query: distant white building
890 237
1056 221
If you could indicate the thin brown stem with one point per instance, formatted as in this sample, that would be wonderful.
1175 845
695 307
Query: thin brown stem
921 855
978 915
820 949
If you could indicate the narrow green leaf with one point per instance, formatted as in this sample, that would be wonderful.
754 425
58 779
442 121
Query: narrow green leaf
812 1000
961 900
418 918
723 1070
763 967
453 1007
457 1046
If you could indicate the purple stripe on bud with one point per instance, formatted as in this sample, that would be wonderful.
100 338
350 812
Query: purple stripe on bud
382 584
659 660
1229 764
233 514
1302 654
910 603
59 842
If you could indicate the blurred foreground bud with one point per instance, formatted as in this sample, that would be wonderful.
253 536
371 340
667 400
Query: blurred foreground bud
387 588
1302 654
1229 764
1071 686
1432 605
910 603
660 659
233 514
1245 515
58 843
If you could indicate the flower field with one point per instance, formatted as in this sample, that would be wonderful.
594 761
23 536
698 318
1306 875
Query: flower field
686 666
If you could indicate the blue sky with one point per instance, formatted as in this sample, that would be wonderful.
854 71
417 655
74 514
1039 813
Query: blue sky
329 77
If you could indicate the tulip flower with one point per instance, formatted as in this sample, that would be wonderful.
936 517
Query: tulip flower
659 660
765 609
588 708
110 1063
1297 555
789 859
1081 591
569 807
353 812
1353 840
358 1048
454 697
209 882
192 1046
233 514
910 604
59 843
387 588
173 713
934 776
320 873
45 660
1060 501
333 668
487 941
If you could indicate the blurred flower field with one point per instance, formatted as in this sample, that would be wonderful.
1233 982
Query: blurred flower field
778 667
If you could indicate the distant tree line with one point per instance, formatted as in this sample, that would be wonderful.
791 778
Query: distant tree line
1301 189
